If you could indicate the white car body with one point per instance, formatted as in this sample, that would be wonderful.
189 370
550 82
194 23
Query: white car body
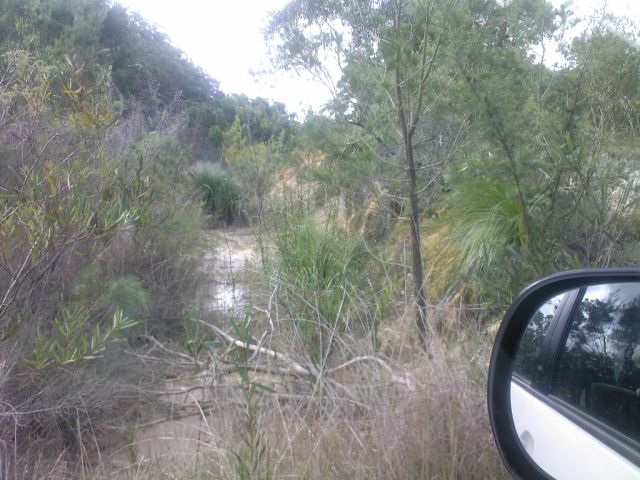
550 439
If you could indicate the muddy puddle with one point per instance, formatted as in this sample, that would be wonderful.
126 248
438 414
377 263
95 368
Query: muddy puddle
224 266
184 434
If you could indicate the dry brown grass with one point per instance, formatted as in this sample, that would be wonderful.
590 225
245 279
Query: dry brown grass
435 427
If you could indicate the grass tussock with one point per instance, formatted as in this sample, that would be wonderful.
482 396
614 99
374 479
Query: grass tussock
221 195
320 270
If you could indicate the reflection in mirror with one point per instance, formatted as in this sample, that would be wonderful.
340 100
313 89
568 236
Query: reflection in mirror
576 383
528 364
599 367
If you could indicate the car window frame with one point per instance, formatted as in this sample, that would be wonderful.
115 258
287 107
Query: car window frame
535 380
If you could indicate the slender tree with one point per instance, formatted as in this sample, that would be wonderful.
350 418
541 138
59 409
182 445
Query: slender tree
397 44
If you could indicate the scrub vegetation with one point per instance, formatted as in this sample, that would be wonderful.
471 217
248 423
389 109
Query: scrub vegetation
386 235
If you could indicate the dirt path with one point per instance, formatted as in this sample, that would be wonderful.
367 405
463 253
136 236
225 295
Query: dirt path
223 293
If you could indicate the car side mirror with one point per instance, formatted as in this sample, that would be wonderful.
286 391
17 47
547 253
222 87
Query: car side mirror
564 378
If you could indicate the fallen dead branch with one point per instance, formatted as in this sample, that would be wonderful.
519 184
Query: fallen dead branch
405 379
283 357
195 408
299 369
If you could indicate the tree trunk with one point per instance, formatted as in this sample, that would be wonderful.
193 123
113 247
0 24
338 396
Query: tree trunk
416 250
407 129
417 269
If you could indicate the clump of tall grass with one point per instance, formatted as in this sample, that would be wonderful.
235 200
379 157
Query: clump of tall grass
221 194
321 269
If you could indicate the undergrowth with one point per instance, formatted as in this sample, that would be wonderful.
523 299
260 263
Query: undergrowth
434 426
320 269
377 407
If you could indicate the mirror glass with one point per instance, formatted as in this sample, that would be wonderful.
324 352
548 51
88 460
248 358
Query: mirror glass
575 390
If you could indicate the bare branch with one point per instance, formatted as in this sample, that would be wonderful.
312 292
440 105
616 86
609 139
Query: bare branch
297 368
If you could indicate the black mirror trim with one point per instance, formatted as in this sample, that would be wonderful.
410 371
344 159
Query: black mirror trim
501 366
557 336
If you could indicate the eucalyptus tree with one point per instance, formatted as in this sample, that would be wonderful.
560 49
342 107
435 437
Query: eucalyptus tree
388 52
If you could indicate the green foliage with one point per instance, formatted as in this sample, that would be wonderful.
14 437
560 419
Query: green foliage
221 195
125 293
100 118
531 197
73 341
263 122
492 244
549 184
252 456
342 162
145 65
254 164
196 340
607 69
95 38
215 135
321 269
97 227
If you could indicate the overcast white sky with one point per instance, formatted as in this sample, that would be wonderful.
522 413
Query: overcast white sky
225 38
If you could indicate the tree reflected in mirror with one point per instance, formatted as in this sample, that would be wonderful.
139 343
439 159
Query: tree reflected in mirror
528 362
599 366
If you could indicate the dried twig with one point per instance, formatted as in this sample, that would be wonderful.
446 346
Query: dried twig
405 379
293 365
156 343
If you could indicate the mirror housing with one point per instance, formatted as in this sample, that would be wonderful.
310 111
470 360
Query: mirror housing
513 452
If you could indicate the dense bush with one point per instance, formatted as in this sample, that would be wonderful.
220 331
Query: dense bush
92 254
519 170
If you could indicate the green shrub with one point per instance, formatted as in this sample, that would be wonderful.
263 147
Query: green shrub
94 291
322 270
72 341
221 195
97 235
